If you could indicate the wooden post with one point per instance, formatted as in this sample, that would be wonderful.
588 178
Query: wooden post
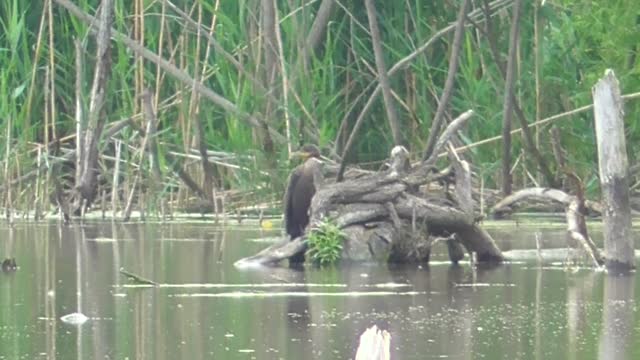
613 166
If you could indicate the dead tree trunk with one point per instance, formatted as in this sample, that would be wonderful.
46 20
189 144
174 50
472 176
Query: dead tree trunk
508 100
87 184
613 164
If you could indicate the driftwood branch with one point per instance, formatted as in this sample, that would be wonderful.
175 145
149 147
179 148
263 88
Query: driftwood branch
275 253
575 217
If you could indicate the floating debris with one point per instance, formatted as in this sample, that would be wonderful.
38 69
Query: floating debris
137 279
74 318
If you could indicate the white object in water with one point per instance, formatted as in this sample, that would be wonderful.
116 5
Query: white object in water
74 318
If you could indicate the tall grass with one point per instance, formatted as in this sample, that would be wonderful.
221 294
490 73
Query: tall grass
579 39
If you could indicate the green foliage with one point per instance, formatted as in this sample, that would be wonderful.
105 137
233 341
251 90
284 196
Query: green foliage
579 39
325 243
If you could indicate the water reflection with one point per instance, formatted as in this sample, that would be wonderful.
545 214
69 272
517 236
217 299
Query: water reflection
205 308
617 336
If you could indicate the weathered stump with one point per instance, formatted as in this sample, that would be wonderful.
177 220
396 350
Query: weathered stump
375 344
613 166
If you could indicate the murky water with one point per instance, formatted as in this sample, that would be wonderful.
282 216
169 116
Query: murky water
207 309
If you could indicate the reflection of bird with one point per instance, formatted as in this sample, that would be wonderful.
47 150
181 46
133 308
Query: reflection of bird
300 190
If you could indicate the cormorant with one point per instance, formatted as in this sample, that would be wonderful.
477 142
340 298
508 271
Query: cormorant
300 191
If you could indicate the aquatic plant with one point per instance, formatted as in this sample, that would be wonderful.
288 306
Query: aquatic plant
325 243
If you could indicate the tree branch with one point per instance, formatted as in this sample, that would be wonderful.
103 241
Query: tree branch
449 83
376 41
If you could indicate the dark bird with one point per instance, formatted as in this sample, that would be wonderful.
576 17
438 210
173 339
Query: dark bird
300 191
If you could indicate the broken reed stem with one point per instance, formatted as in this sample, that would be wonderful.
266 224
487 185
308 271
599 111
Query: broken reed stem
52 73
116 179
79 108
127 210
8 200
284 78
36 214
150 135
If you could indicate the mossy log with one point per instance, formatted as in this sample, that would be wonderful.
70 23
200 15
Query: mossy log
385 216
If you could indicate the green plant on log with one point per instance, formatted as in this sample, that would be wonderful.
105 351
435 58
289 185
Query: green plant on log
325 243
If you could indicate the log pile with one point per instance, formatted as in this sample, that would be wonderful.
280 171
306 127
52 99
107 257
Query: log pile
385 215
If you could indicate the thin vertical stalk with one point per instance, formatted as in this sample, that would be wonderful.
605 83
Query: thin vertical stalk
207 168
376 41
163 15
34 70
36 214
507 111
45 194
79 108
52 74
150 135
284 78
537 43
9 202
116 179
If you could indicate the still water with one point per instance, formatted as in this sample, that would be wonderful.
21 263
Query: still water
205 308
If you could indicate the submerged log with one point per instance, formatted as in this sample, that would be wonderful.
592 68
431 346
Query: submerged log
576 226
384 215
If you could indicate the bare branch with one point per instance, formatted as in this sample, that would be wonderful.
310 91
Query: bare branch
448 85
376 41
507 110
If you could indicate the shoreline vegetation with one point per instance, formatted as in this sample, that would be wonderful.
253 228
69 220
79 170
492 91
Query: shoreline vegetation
194 107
